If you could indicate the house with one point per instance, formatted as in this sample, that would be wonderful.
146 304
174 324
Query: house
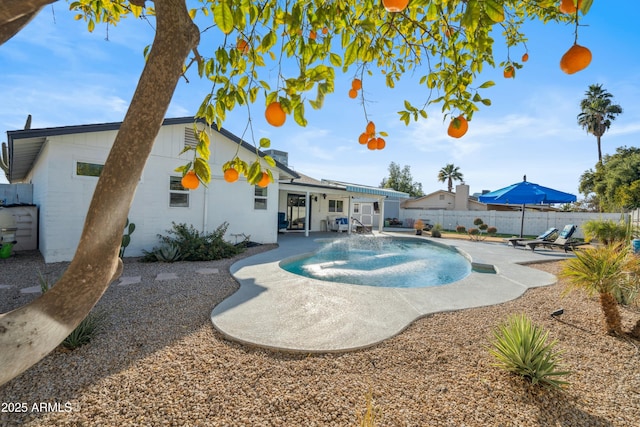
63 164
445 200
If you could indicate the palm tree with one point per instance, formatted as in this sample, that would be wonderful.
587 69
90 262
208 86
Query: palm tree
450 173
603 271
598 112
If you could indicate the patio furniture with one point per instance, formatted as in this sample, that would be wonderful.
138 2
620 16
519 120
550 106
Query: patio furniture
564 240
338 223
520 241
282 221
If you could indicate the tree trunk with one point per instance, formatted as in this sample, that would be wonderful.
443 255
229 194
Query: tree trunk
613 320
30 332
15 14
599 148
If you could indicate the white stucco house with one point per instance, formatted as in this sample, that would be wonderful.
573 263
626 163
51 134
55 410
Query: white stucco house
63 164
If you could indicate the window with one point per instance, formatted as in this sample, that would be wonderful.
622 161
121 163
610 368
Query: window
88 169
441 197
260 199
178 195
356 208
336 205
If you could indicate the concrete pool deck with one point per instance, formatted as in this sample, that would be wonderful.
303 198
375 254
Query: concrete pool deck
279 310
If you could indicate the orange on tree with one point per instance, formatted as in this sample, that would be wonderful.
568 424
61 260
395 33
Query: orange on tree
569 7
353 93
325 30
395 5
264 181
458 127
231 175
509 72
525 57
242 46
190 180
275 115
371 128
363 138
372 144
380 143
575 59
356 84
313 35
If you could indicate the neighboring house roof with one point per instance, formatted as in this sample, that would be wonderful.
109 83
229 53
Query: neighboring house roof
23 155
418 202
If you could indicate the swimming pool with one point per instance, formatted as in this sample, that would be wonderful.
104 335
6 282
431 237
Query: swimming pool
382 262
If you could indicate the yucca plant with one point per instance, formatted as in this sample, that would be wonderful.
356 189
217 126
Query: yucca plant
85 331
521 347
603 271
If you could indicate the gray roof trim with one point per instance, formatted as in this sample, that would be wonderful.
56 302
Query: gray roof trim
103 127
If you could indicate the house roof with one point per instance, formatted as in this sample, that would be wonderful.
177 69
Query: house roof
365 189
25 145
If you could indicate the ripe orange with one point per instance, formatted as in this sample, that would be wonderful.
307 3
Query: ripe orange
395 5
575 59
275 115
264 181
325 30
356 84
372 144
363 138
509 72
231 175
242 46
353 93
190 180
460 130
371 129
567 6
381 143
313 35
525 57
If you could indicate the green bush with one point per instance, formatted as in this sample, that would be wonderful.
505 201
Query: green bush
436 231
492 231
606 232
461 229
192 245
478 221
521 347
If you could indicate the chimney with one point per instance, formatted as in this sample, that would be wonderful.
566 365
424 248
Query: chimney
462 198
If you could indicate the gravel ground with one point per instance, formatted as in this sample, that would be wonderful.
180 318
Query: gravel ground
160 362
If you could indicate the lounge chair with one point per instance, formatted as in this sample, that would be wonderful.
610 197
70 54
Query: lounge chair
520 241
282 221
563 241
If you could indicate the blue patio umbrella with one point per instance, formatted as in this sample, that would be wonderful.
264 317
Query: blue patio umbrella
524 193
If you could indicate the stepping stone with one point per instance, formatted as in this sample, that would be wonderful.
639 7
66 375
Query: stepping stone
31 290
208 271
129 280
166 276
5 286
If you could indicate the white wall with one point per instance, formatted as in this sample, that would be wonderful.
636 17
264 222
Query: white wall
64 197
508 222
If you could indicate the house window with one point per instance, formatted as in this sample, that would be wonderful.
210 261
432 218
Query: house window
260 198
356 208
88 169
336 205
178 195
442 197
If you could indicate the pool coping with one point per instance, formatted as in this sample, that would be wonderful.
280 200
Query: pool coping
279 310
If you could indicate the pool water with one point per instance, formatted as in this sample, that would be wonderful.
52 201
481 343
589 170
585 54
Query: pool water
382 262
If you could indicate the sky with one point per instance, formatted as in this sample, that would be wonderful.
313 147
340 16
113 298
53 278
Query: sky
62 75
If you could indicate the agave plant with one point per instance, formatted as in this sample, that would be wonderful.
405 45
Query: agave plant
603 271
521 347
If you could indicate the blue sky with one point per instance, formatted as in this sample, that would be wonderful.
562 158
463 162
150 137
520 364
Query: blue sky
62 75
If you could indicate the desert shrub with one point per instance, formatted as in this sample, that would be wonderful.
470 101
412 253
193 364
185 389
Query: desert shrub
192 245
478 221
521 347
461 229
436 231
492 231
483 226
606 232
473 231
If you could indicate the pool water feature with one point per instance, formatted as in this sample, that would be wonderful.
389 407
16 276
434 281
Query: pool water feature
382 262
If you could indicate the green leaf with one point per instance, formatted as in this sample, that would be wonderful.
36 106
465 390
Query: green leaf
270 161
494 10
265 143
487 84
298 115
223 17
335 59
202 170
